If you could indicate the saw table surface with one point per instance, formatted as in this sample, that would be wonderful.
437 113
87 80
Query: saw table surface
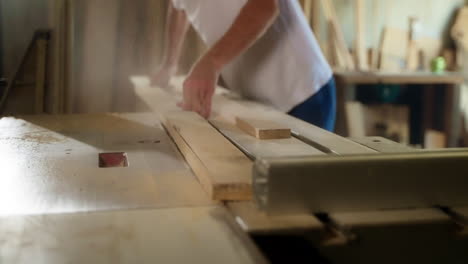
173 235
50 164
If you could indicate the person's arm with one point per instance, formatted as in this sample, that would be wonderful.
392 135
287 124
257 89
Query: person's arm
252 22
176 31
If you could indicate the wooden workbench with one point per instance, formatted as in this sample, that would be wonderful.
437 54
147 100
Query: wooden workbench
56 203
429 84
58 206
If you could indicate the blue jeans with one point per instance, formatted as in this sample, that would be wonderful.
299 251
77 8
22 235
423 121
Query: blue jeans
320 108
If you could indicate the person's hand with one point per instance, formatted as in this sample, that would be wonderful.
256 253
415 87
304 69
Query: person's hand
163 76
199 88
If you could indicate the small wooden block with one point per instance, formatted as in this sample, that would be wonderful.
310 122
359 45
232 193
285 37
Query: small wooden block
263 129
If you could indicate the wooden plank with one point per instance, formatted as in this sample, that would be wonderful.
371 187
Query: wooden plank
51 165
230 109
393 49
223 170
254 221
337 52
290 147
173 235
263 129
459 29
355 77
412 57
355 115
434 139
227 107
399 78
391 217
337 34
360 40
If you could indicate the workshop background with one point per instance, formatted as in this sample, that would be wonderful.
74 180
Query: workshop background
98 165
95 46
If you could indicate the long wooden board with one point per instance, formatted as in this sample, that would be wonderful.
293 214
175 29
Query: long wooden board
360 41
288 147
227 107
230 109
393 49
337 34
223 170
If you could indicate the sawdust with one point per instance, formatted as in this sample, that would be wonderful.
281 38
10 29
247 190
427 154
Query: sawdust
41 138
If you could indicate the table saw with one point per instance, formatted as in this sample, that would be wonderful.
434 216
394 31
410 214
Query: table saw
167 186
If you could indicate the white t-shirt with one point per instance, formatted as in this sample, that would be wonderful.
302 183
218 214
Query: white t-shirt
282 69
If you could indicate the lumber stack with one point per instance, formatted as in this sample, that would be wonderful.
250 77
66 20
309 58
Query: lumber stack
399 49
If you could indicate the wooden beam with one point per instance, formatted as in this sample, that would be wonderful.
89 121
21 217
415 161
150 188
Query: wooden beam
360 40
223 170
337 34
393 49
227 108
412 56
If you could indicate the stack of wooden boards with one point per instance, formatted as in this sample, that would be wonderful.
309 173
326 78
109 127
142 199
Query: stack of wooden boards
398 50
224 170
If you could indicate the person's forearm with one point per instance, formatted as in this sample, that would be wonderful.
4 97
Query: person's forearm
176 30
252 22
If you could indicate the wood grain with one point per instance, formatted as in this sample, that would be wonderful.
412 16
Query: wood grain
393 49
360 41
288 147
263 129
223 170
173 235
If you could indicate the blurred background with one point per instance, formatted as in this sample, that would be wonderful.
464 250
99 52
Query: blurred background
76 56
